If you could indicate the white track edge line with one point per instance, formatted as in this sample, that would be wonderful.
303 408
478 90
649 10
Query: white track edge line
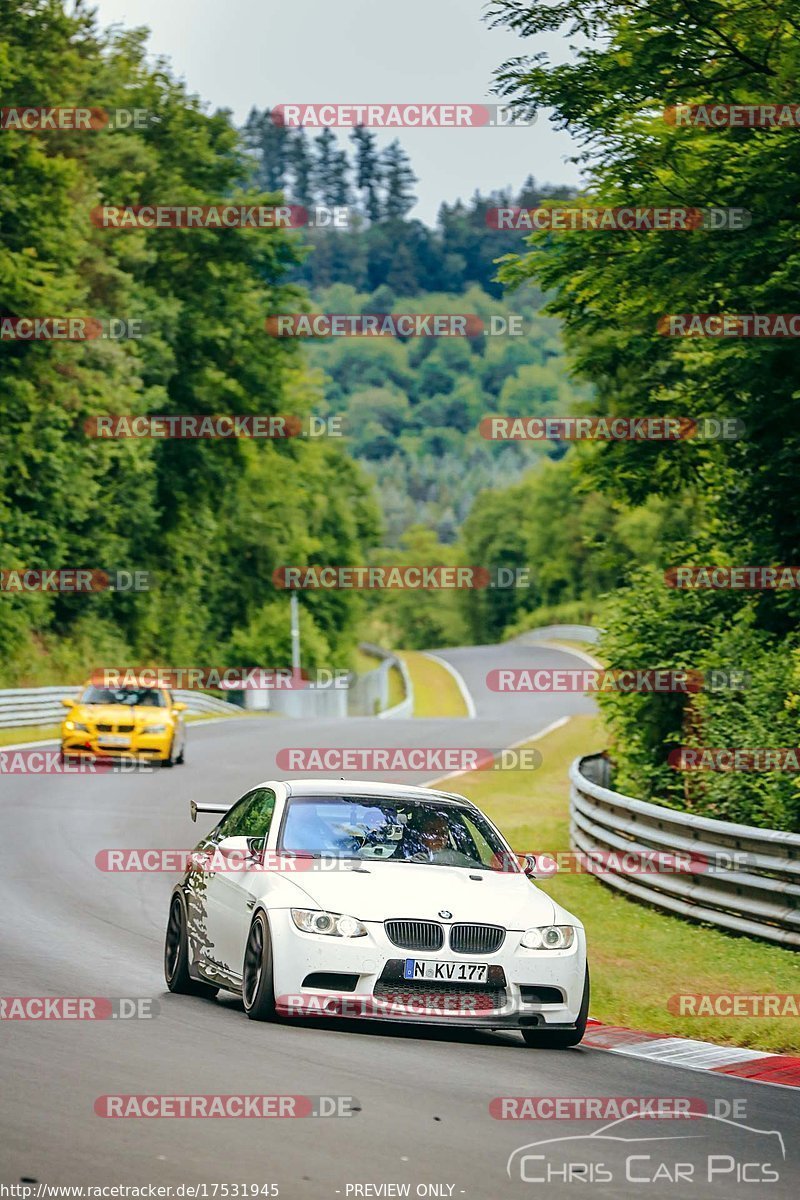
460 682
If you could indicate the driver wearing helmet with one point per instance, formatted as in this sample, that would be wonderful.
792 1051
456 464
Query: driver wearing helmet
432 839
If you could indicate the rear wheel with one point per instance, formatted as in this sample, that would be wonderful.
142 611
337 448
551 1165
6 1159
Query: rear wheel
258 986
561 1039
176 956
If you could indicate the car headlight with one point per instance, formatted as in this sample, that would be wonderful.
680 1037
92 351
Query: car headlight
315 920
76 725
155 729
548 937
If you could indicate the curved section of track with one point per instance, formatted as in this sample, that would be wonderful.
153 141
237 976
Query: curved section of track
70 929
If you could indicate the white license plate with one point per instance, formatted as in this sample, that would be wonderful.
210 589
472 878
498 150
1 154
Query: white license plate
445 972
114 740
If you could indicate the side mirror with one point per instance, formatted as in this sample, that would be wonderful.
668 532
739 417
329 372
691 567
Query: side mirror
529 865
539 866
68 701
179 706
241 852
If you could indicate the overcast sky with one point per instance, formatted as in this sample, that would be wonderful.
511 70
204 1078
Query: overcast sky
240 53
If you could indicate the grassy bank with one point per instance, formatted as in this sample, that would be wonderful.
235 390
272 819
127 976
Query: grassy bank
436 692
50 733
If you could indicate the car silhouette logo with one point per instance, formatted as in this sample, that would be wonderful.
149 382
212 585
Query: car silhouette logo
445 914
615 1132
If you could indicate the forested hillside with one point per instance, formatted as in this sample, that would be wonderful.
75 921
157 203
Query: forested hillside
412 407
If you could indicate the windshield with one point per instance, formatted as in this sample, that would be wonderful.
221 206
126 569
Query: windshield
149 697
393 830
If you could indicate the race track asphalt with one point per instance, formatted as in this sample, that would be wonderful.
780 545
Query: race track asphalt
69 929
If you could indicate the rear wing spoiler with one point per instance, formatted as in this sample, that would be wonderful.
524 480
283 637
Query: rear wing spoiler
208 806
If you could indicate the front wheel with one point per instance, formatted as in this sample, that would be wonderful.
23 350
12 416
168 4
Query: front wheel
169 761
561 1039
176 957
258 986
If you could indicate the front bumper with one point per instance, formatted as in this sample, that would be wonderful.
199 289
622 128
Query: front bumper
525 988
93 744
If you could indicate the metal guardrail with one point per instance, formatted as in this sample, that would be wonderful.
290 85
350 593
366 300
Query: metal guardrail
746 880
573 633
21 707
406 706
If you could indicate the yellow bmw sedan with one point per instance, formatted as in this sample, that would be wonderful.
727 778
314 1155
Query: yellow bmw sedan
130 722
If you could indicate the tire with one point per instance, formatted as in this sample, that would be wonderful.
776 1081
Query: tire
258 984
169 761
181 759
561 1039
176 957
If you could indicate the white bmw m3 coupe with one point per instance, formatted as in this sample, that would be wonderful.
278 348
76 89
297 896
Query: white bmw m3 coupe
376 900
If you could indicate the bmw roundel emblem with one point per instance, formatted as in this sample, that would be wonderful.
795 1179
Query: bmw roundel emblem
445 914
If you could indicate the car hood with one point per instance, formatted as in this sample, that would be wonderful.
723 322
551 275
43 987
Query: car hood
379 891
118 714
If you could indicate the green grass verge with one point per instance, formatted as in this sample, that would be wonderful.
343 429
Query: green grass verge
639 956
49 733
436 693
397 691
29 733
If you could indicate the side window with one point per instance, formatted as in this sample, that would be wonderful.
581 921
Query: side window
257 817
228 824
480 848
250 817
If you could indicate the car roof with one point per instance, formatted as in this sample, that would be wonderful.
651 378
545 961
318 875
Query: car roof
360 787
